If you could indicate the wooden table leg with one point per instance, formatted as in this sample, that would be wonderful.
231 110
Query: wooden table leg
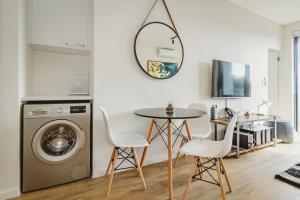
148 139
182 141
170 159
178 153
187 130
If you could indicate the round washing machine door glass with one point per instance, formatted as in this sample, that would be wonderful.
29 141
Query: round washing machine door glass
58 141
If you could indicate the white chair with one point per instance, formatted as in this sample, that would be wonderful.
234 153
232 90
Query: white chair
199 127
122 142
214 151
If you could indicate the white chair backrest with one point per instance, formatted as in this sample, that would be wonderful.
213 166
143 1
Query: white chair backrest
200 126
108 131
227 142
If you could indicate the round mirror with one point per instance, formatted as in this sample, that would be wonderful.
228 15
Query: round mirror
158 50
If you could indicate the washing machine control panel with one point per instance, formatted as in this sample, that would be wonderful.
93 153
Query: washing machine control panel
54 110
77 109
38 112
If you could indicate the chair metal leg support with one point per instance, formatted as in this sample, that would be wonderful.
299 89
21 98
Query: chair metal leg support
215 164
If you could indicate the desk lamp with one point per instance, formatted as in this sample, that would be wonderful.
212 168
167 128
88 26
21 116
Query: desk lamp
263 103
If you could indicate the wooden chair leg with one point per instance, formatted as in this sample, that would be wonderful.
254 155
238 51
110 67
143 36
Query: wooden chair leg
136 160
178 153
189 182
110 161
115 154
220 179
226 175
200 168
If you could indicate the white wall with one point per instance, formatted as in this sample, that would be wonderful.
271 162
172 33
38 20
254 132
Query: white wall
51 73
273 82
209 29
22 47
286 83
9 104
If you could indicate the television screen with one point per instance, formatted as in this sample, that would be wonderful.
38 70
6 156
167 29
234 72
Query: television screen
230 79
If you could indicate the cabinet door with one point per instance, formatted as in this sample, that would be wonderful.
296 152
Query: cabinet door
60 23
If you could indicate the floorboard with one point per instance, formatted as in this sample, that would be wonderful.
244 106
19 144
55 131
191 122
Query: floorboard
252 178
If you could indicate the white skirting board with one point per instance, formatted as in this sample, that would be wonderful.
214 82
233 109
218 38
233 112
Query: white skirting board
9 194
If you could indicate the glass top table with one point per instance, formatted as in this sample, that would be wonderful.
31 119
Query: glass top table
168 129
179 113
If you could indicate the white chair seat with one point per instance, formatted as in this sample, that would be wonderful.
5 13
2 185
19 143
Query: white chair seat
130 140
195 136
202 148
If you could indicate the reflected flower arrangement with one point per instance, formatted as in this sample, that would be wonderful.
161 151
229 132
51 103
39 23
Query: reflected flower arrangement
160 69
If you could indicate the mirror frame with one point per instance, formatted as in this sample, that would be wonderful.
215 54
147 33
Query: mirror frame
136 57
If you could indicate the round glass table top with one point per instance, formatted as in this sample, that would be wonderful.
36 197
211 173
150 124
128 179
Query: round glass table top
179 113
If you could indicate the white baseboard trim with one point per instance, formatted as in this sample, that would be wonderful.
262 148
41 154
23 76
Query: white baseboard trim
9 194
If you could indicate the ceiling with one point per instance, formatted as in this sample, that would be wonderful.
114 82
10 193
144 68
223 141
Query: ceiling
280 11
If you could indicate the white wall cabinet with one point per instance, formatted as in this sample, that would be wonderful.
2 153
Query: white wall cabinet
60 23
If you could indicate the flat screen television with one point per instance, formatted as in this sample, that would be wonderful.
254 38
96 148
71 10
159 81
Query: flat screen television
230 80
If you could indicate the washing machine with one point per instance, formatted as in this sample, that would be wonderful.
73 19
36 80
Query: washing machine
56 146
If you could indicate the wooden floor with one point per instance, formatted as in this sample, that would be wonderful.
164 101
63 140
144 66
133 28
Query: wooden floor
252 177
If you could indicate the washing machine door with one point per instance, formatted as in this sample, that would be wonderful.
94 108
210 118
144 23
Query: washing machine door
58 141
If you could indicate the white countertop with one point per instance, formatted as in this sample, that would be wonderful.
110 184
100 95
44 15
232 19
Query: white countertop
56 98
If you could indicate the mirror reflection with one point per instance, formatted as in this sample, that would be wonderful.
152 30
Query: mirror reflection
158 50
